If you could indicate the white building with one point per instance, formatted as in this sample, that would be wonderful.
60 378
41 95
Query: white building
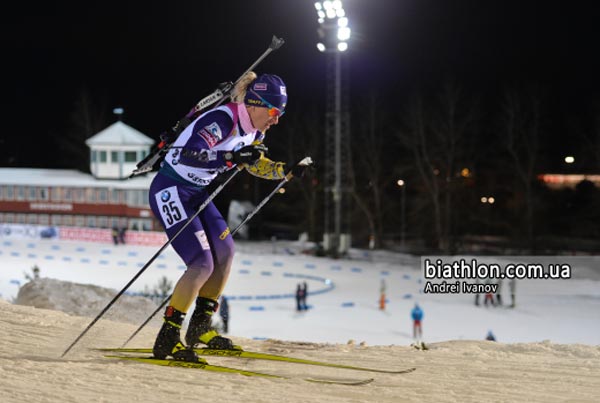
105 199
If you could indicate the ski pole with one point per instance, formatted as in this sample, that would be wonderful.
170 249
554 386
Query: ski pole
219 95
248 217
162 248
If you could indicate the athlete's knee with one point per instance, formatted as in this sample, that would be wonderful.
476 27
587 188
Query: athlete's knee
225 251
201 265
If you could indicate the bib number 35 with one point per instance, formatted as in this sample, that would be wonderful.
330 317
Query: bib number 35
169 205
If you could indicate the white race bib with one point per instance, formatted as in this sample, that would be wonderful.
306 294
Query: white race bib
169 205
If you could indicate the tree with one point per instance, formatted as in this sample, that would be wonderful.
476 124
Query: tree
87 119
369 172
522 124
438 136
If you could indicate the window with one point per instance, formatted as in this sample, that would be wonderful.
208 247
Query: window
130 156
67 194
67 220
91 221
114 196
9 217
79 221
31 193
55 193
32 219
102 195
94 156
90 195
114 156
20 193
21 218
43 193
44 219
103 222
79 195
146 225
102 156
55 219
9 193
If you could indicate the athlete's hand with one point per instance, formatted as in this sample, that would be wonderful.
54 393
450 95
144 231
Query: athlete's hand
245 155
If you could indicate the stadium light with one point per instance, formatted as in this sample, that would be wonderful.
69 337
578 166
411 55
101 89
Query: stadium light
334 31
334 35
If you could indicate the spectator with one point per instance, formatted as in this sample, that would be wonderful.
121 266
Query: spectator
489 297
382 295
115 235
299 297
490 336
122 235
304 294
512 285
499 293
417 317
224 313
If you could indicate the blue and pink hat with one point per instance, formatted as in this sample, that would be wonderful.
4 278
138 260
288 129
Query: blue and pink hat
268 90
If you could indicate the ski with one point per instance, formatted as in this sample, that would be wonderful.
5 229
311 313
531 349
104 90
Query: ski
217 368
263 356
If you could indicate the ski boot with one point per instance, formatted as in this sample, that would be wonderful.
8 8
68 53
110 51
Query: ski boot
168 340
201 331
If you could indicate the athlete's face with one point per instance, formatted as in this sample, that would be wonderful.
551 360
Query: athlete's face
261 119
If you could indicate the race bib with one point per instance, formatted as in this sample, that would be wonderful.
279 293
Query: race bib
169 205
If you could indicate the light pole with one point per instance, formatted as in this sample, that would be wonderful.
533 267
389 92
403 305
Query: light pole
333 34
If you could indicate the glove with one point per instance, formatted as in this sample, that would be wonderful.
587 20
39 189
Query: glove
245 155
302 167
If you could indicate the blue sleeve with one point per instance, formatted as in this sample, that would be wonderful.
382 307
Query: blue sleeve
206 133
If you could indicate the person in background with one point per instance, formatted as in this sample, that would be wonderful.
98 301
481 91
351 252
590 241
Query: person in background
513 286
115 235
122 232
417 317
382 295
304 295
299 297
224 313
221 139
499 292
490 336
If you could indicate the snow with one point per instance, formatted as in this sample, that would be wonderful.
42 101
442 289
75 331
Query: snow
548 349
343 294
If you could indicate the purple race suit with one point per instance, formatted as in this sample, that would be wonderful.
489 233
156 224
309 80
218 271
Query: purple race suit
179 188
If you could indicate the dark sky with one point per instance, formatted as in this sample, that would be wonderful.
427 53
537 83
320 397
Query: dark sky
157 59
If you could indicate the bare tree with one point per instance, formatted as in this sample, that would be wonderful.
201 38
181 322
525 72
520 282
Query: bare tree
369 173
87 118
522 117
438 137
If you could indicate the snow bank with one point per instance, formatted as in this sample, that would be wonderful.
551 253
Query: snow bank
83 300
31 369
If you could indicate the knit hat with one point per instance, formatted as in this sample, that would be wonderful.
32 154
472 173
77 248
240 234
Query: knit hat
270 88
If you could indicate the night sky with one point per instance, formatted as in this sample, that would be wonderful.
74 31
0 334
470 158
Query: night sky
157 59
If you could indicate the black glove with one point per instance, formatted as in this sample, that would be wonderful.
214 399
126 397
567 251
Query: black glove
302 167
245 155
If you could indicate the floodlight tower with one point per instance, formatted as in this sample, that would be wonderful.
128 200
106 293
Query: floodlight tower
334 34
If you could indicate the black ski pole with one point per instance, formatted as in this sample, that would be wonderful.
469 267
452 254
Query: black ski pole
218 96
162 248
285 180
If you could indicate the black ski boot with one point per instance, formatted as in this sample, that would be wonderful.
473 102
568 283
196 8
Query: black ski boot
200 329
168 341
